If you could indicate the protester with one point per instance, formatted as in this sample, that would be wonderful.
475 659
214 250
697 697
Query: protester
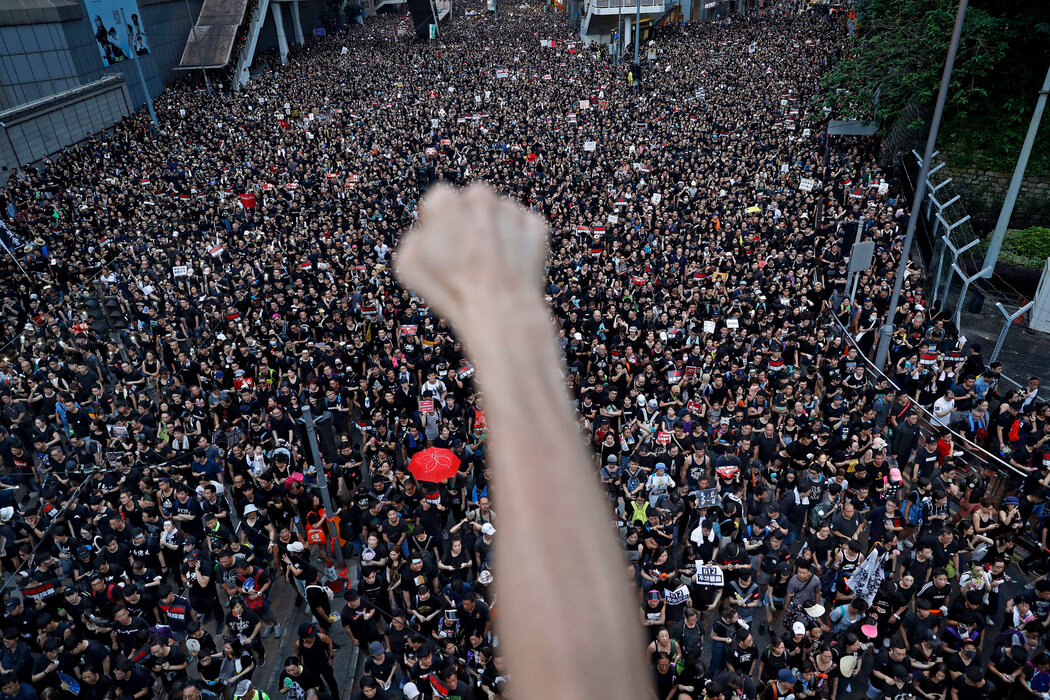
701 222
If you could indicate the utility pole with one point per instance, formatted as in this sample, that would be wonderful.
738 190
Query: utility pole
197 43
138 66
637 28
307 422
920 189
996 242
619 33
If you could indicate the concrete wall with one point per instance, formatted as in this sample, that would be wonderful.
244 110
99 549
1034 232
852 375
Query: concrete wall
983 192
54 50
37 129
54 88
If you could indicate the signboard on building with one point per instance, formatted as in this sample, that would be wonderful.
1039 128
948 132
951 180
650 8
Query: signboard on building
119 31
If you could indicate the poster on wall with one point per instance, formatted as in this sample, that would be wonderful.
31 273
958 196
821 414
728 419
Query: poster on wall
118 28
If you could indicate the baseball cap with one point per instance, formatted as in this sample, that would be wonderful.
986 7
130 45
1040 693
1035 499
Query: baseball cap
786 675
295 547
376 648
243 688
798 628
488 529
410 690
895 474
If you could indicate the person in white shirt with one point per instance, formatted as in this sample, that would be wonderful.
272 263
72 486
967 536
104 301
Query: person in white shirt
658 484
942 409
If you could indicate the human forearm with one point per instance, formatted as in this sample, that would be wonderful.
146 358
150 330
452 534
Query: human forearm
497 307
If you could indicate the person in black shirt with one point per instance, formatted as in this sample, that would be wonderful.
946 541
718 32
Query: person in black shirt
130 634
665 677
743 655
358 620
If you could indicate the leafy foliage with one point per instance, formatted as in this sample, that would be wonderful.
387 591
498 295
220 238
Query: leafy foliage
898 56
1026 248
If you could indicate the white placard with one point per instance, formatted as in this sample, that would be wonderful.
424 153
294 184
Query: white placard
590 145
806 184
181 271
732 323
709 326
709 576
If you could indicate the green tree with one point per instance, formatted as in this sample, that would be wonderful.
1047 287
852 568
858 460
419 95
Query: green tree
898 55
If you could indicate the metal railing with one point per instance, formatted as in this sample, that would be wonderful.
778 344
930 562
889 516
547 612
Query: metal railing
974 456
626 4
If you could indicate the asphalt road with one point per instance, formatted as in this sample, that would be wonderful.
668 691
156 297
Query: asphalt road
348 661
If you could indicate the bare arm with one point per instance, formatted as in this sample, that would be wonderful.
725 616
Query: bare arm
479 259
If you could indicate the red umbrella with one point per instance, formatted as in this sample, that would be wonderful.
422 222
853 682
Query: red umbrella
434 464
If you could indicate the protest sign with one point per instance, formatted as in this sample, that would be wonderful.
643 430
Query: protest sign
707 498
709 576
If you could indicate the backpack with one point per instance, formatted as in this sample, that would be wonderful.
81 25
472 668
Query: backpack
829 580
918 507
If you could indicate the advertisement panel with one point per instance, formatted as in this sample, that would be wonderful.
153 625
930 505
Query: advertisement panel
119 30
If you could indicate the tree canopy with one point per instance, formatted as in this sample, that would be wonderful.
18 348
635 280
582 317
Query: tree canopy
898 54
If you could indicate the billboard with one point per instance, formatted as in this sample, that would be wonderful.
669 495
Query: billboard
118 28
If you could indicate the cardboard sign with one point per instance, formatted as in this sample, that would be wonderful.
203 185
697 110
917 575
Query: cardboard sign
426 405
884 187
707 498
585 104
663 437
590 145
710 576
181 271
691 371
806 184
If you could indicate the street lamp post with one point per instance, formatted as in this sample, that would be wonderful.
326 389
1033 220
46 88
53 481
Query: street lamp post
637 28
920 189
138 67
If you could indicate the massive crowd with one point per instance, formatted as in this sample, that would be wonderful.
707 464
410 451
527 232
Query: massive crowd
764 481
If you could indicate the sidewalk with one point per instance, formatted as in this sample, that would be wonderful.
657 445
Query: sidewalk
1025 353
